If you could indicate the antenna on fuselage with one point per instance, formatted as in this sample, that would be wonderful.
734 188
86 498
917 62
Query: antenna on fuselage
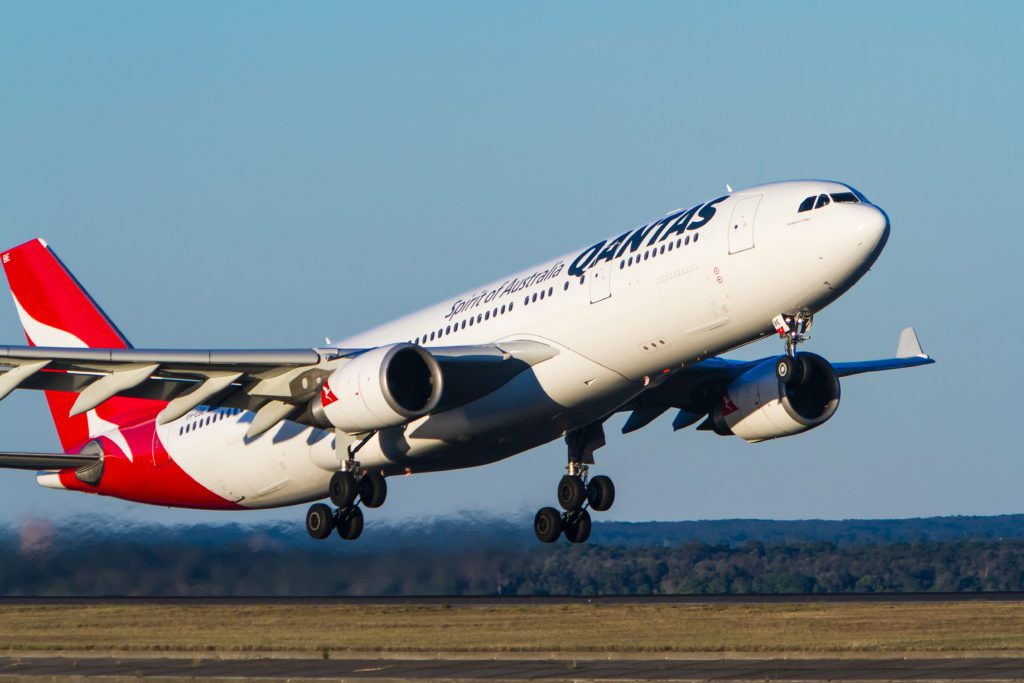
728 188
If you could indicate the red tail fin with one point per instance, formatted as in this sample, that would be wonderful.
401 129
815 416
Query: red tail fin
55 310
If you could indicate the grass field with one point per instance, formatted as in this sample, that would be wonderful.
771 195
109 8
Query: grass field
620 629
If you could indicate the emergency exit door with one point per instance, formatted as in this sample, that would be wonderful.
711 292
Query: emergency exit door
741 226
600 282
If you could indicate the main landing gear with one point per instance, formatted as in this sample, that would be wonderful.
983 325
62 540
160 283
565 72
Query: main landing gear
577 493
348 489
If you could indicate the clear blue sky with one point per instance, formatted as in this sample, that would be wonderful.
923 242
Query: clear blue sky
265 174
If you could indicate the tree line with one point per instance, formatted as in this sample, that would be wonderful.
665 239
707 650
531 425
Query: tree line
450 559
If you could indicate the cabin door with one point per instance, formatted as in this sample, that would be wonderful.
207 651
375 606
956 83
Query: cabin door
741 226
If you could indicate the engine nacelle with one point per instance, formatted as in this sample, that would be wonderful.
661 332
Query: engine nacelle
384 387
758 406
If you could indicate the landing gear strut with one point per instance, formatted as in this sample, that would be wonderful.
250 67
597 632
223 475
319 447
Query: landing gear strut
575 492
348 489
792 328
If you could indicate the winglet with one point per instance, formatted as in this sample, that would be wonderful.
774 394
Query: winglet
909 346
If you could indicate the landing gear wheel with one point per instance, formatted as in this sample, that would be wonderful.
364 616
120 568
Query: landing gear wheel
373 489
319 521
571 493
349 523
343 489
577 526
547 525
600 493
789 370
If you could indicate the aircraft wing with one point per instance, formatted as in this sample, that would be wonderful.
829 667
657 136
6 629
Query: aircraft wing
276 383
694 389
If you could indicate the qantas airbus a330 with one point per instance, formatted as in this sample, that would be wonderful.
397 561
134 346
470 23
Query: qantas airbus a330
494 372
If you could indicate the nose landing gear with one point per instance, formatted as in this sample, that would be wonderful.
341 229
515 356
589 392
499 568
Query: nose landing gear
793 329
576 494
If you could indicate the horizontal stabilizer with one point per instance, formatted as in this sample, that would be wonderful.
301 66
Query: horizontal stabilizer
46 461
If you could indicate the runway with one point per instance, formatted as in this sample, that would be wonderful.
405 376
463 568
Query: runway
513 600
990 669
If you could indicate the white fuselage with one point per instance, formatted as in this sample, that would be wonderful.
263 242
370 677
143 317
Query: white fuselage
627 309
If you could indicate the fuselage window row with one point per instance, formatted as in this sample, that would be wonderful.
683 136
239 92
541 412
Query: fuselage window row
652 253
461 325
209 419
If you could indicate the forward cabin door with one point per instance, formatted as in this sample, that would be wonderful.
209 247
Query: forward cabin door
600 282
741 226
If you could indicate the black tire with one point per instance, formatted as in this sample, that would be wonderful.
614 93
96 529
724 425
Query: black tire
571 493
373 490
343 489
319 521
601 493
350 523
547 525
577 527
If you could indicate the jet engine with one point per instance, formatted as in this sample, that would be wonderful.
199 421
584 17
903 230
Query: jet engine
384 387
759 406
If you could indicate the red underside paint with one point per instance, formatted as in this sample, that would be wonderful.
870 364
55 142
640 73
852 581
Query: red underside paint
150 476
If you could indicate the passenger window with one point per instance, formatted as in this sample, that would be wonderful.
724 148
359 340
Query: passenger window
822 201
844 198
806 205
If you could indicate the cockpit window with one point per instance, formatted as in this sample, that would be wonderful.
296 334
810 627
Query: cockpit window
806 205
822 201
858 194
844 198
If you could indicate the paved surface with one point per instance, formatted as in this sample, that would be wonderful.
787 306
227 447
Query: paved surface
498 600
512 669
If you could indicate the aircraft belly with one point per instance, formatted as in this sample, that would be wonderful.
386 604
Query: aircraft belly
536 406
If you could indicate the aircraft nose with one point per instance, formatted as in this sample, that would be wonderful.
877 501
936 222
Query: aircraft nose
871 230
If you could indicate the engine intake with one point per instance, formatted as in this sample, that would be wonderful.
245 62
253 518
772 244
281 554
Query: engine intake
758 406
384 387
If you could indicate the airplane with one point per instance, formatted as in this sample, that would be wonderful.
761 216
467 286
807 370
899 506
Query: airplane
634 323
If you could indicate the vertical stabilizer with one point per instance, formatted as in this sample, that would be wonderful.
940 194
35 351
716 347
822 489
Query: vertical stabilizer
55 310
